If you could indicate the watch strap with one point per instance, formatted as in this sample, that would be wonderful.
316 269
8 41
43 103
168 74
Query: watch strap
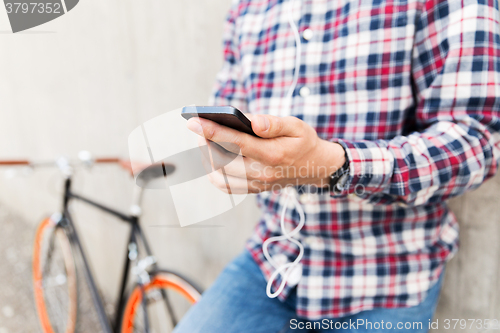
335 178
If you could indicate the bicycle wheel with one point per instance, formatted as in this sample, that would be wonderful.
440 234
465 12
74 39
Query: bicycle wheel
54 279
168 297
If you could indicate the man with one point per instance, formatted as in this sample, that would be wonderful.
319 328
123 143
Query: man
401 95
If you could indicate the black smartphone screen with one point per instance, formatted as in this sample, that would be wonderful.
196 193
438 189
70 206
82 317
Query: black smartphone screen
223 115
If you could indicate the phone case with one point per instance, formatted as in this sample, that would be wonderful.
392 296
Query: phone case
223 115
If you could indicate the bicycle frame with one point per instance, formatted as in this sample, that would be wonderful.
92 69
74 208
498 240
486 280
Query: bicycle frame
135 233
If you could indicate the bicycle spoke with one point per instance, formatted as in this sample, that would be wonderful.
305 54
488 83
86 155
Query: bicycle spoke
138 327
145 310
55 287
163 302
57 300
48 260
170 310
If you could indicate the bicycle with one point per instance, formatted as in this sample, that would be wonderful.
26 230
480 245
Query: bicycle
158 296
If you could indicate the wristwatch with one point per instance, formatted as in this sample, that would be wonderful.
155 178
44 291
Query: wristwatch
339 178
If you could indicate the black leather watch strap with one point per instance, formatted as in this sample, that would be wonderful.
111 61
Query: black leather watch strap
337 175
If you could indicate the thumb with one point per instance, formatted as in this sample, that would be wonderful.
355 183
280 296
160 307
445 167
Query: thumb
267 126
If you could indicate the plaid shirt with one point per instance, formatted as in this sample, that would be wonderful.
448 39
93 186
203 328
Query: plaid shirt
411 89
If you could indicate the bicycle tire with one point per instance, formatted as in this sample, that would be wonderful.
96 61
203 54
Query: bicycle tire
166 281
54 271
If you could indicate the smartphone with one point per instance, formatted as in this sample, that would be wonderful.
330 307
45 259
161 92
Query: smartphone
223 115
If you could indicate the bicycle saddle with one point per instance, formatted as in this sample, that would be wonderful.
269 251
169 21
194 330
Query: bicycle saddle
154 171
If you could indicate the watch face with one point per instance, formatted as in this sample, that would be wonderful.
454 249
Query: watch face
343 180
339 179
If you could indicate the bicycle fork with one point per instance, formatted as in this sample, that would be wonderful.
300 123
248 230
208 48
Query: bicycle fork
73 236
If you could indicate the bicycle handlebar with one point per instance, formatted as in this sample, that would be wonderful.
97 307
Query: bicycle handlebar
14 162
102 160
108 160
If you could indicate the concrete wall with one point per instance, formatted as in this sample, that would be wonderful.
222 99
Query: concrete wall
87 79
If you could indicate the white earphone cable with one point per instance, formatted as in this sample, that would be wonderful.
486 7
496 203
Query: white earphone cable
298 51
286 269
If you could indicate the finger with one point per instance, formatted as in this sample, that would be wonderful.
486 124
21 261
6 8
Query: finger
206 159
234 165
214 157
248 144
250 169
221 156
207 163
267 126
237 185
233 185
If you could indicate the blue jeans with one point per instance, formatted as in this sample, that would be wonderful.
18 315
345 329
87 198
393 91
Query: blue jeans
237 303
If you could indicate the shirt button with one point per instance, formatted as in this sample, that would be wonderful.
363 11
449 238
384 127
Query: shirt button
295 276
304 92
304 198
310 240
307 34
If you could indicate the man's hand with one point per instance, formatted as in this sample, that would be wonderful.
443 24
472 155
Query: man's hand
288 152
